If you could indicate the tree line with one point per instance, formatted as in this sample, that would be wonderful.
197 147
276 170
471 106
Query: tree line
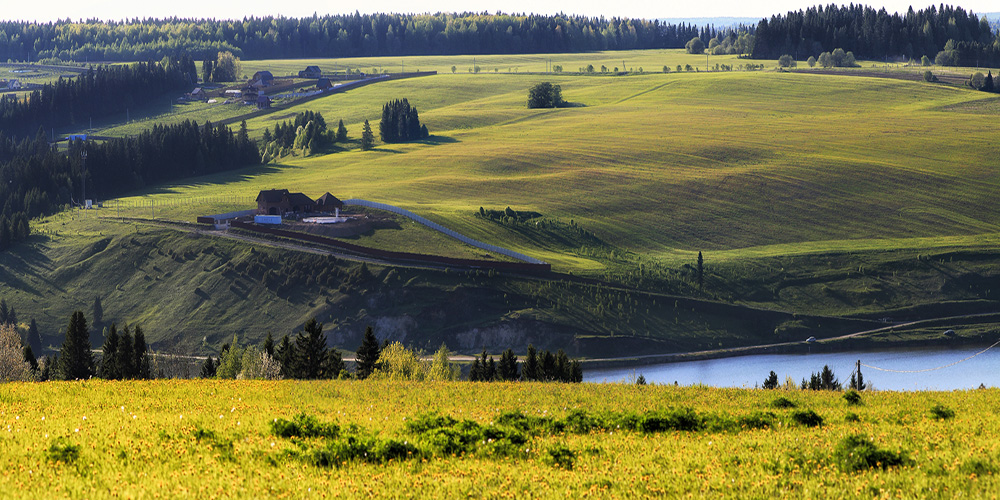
346 35
879 35
100 92
39 180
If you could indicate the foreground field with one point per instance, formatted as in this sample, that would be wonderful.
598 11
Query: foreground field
176 439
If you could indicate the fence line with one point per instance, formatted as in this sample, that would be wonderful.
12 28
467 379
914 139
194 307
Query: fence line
437 227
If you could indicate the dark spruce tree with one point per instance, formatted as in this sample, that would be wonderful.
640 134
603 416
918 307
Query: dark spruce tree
269 344
141 354
208 368
341 132
108 368
75 358
98 315
311 352
125 357
531 371
701 271
507 367
771 382
285 354
367 137
29 357
34 338
400 122
367 355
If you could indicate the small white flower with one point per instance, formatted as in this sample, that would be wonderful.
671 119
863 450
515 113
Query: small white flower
85 417
76 430
272 444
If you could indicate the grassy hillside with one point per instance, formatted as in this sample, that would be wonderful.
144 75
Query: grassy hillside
101 439
808 193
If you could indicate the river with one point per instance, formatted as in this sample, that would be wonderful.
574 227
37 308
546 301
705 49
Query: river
750 371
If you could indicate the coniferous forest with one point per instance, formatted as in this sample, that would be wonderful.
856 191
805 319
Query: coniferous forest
879 35
350 35
100 92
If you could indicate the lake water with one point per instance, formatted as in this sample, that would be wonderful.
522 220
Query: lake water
750 371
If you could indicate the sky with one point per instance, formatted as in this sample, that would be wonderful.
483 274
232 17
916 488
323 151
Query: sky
52 10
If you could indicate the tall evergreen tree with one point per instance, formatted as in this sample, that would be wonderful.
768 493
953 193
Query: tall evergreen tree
311 351
269 344
141 354
34 338
367 137
367 354
29 357
98 315
75 358
548 364
531 370
701 271
125 357
285 354
208 368
507 367
341 132
108 368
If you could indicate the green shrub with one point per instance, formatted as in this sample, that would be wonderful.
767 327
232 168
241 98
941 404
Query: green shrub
807 418
852 417
61 451
303 426
852 397
559 455
856 453
941 412
783 402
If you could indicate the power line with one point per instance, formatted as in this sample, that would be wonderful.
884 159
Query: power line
936 368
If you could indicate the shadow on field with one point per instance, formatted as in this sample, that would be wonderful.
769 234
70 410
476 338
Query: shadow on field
219 179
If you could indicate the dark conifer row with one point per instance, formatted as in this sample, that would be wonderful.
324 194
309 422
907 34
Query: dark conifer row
879 35
400 122
540 367
348 35
41 180
98 93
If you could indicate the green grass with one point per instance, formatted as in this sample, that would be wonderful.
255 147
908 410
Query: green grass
100 439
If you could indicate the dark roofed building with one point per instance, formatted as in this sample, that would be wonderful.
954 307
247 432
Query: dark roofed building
262 79
311 72
280 202
324 83
328 203
263 102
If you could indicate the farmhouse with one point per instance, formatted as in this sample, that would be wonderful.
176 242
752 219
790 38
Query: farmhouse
324 84
262 79
311 72
280 202
263 102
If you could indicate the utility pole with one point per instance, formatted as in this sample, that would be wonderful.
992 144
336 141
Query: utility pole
83 178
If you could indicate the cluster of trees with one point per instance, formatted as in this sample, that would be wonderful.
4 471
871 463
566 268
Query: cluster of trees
100 92
40 180
545 95
508 215
836 59
537 367
307 132
879 35
824 380
123 357
976 81
224 68
400 122
347 35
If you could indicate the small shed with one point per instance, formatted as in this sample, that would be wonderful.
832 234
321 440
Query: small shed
311 72
263 102
324 84
14 85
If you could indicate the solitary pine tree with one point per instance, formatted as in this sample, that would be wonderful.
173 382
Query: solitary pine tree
771 382
701 271
208 369
367 137
29 357
125 358
75 358
367 354
341 132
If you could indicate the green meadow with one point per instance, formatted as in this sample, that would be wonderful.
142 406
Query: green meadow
842 196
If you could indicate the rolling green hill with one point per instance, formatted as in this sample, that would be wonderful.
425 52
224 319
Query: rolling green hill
808 193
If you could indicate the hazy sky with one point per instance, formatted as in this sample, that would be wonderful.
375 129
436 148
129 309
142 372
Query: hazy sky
49 10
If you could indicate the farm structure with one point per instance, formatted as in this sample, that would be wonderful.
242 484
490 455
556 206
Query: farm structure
262 79
311 72
281 201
